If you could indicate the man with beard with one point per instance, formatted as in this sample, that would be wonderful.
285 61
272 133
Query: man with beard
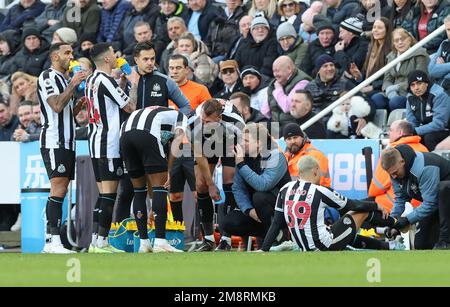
298 145
301 110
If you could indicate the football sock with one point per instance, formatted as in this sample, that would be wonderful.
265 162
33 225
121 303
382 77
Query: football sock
105 213
160 211
140 211
54 214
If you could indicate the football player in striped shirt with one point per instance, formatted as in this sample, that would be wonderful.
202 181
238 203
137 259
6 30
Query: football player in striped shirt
301 208
144 135
57 139
107 104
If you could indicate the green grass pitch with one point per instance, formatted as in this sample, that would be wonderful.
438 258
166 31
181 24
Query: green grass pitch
409 268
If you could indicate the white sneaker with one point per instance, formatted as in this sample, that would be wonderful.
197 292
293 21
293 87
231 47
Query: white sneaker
47 248
283 247
165 248
59 249
18 224
145 249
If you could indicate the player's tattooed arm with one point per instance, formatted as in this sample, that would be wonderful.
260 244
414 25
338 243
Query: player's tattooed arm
59 102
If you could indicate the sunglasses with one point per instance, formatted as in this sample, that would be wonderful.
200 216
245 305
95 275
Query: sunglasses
228 71
290 4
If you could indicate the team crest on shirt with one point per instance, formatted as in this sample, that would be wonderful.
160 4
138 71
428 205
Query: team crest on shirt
119 171
139 215
155 91
156 87
347 221
61 169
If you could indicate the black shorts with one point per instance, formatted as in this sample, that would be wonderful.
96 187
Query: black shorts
107 169
344 232
59 162
141 154
182 171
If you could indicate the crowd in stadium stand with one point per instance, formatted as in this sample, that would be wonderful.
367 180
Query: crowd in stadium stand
291 59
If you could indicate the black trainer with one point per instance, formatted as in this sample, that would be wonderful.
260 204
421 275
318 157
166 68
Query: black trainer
206 246
441 245
223 246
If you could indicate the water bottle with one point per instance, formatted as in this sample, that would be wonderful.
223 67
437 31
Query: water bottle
123 65
74 67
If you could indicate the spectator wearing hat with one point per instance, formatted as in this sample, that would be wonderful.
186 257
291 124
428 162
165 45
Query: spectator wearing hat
290 43
142 10
169 9
86 42
201 13
50 19
22 14
288 79
65 35
89 20
439 66
229 74
301 111
426 17
351 47
9 45
427 109
291 11
328 84
259 49
255 85
324 44
112 14
224 30
340 10
299 145
33 56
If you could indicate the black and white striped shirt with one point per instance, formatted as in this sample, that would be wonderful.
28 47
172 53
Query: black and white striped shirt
161 122
106 99
303 205
226 132
58 129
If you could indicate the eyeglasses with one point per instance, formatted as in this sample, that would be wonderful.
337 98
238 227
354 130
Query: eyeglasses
290 4
400 40
228 71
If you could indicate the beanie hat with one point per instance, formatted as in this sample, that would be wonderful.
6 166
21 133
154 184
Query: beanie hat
417 75
286 29
250 70
67 35
88 37
292 129
353 24
323 59
260 20
30 31
321 22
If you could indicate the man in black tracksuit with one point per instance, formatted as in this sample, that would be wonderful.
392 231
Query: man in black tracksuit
426 177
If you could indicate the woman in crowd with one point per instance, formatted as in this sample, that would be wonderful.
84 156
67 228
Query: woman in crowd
24 87
268 8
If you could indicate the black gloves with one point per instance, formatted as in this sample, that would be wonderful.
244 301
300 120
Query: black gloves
402 222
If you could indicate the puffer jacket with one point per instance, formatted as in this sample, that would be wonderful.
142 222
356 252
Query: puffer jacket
12 38
297 52
90 19
348 8
34 62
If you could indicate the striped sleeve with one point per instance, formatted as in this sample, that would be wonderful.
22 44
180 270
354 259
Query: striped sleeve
48 84
116 93
332 198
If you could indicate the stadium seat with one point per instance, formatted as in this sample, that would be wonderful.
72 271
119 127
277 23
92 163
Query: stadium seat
396 115
380 118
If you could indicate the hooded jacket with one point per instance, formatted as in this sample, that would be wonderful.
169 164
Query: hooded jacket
32 62
423 173
6 61
430 112
347 8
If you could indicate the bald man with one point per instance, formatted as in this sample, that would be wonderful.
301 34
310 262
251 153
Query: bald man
288 79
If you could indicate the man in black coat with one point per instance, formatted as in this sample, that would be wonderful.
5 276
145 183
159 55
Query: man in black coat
9 45
301 110
200 15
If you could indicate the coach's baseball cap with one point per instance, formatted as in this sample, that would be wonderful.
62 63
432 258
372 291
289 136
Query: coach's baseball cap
292 129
